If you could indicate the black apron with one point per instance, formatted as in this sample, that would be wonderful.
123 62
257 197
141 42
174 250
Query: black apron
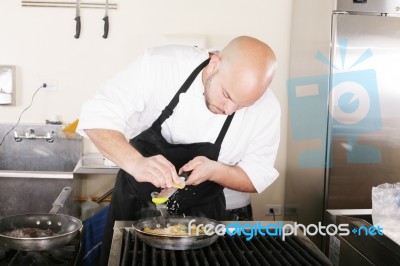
131 200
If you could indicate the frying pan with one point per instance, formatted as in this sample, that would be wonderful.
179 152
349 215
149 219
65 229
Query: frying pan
65 228
172 242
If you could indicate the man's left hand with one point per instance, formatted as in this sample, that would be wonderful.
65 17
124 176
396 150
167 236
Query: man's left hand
202 169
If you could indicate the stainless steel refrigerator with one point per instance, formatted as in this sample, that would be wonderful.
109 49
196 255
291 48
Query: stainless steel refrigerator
344 128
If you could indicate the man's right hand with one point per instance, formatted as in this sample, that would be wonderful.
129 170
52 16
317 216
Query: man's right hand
156 170
114 146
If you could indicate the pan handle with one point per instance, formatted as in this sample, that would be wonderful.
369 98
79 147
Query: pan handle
59 202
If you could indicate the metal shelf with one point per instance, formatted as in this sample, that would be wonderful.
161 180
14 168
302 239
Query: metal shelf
68 4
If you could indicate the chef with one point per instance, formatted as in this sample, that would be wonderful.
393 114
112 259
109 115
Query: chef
180 108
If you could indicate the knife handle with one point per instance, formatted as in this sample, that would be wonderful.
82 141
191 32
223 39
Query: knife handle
105 27
185 175
78 27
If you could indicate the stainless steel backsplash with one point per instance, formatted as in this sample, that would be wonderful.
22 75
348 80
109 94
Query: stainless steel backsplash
37 154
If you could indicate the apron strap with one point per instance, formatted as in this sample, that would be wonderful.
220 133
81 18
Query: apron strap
169 109
224 129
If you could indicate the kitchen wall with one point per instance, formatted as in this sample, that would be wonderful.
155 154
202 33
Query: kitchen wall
40 42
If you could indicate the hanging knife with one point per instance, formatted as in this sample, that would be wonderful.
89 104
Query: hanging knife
78 19
106 22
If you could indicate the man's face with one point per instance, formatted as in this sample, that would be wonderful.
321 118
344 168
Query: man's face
217 96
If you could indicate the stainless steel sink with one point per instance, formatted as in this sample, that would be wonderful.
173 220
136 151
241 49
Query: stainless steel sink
33 171
61 155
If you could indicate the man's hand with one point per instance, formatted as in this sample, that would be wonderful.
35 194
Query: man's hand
113 145
232 177
156 170
202 169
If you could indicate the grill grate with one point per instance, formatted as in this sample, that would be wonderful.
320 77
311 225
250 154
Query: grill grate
63 256
227 250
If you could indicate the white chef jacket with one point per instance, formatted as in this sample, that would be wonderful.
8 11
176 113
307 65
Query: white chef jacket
135 97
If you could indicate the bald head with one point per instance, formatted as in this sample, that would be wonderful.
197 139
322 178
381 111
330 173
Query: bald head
244 69
251 63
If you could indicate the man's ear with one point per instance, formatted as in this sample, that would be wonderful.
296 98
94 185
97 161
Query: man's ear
215 60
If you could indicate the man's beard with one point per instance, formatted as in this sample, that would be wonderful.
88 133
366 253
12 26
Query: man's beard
207 88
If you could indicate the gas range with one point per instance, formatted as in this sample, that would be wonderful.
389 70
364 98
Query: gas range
128 249
67 255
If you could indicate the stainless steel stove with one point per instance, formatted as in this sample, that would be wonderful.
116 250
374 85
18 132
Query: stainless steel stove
68 255
128 249
362 246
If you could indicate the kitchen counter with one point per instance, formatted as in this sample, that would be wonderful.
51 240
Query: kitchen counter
95 163
363 245
94 178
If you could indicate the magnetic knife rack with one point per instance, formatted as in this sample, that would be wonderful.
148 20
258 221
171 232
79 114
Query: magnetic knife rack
72 4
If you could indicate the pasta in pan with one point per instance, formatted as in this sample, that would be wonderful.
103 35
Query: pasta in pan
175 230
